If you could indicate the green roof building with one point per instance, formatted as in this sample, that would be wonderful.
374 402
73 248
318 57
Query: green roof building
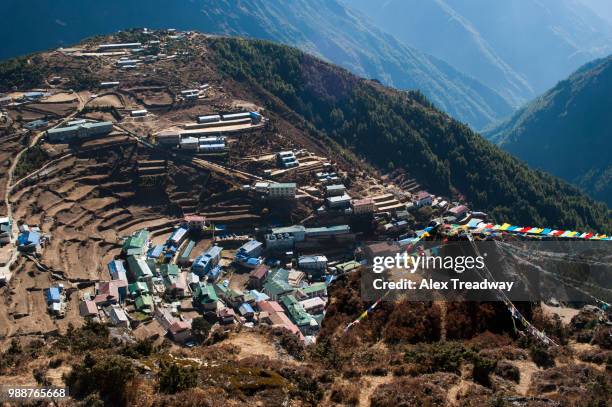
169 270
138 288
295 310
139 269
315 290
205 296
277 284
136 244
144 303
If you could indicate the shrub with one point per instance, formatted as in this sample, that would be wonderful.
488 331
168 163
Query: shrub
603 337
541 356
174 378
482 369
439 357
108 376
508 371
347 394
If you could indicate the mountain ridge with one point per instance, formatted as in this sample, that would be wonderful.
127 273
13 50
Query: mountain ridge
326 28
518 48
566 130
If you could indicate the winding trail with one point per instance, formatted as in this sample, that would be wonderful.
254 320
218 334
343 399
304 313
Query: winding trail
10 176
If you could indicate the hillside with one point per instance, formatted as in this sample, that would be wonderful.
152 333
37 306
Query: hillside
108 200
519 48
403 130
325 28
566 131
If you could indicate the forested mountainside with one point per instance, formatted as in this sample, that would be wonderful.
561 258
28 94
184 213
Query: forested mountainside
395 129
326 28
519 48
567 130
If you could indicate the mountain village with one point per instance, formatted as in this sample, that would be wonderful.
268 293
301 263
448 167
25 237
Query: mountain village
224 266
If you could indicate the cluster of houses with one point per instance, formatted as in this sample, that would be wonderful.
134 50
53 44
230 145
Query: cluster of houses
164 283
205 136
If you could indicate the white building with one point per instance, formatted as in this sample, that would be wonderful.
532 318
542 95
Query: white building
312 263
363 206
282 190
139 113
339 202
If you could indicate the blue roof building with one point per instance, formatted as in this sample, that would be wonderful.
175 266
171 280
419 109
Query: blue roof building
116 270
155 252
246 310
214 273
206 261
28 240
53 295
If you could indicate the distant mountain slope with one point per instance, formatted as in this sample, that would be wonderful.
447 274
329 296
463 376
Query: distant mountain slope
394 129
516 47
325 28
568 130
602 8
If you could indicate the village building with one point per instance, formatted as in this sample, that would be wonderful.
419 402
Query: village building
339 201
138 288
144 303
205 297
363 206
380 249
178 330
313 305
116 269
285 237
347 267
282 190
29 241
258 296
136 244
140 112
6 229
313 265
258 276
295 278
458 211
207 260
335 190
139 270
110 292
79 130
118 317
314 290
226 316
423 198
88 309
298 315
246 311
277 284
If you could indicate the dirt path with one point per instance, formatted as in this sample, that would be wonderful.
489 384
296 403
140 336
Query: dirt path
368 388
527 369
